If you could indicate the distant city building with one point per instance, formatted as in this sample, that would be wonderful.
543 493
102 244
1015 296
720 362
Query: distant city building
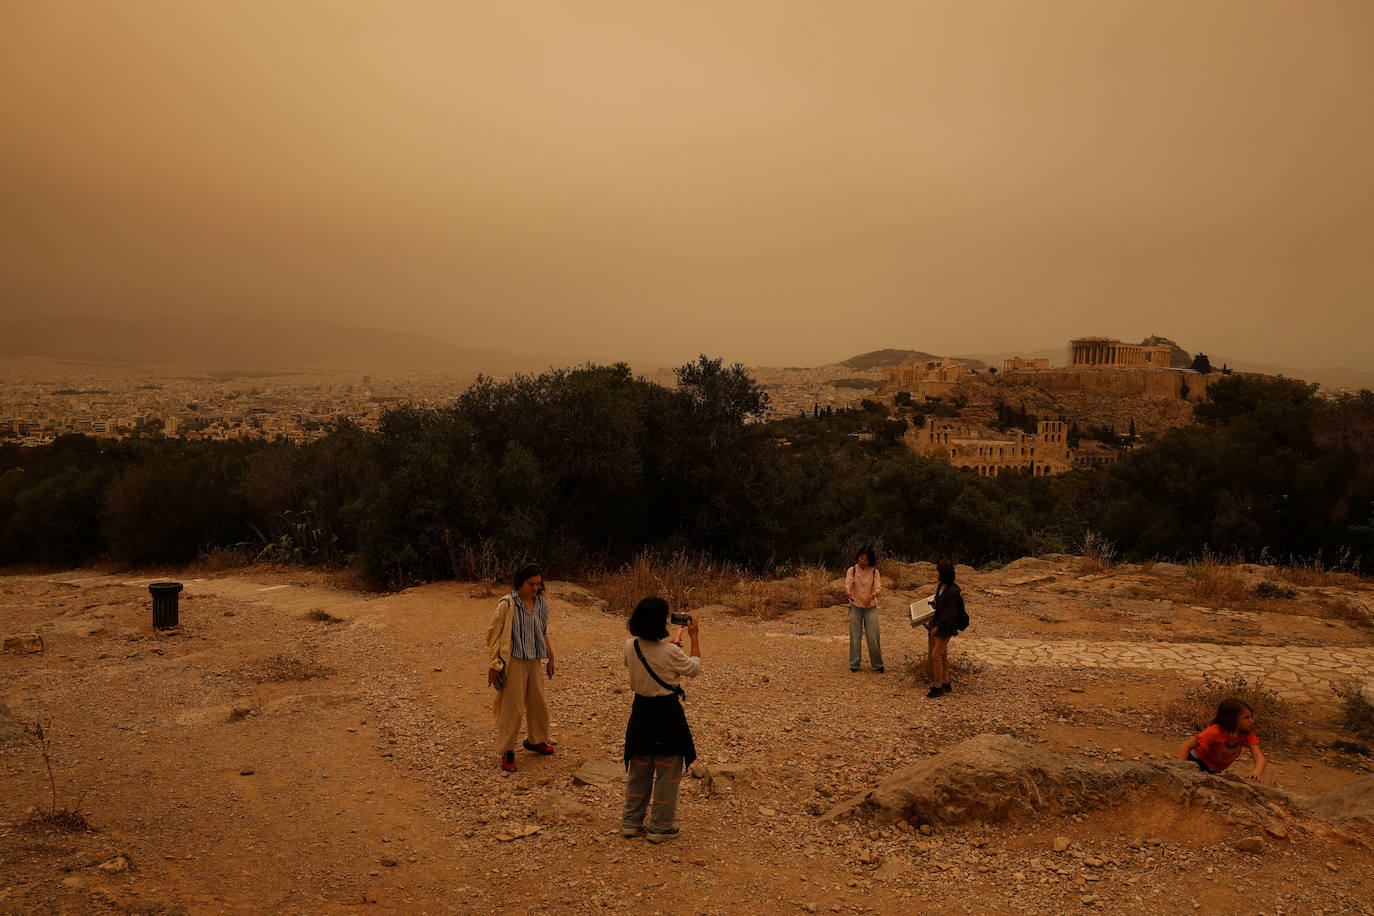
1018 364
1104 353
989 452
932 378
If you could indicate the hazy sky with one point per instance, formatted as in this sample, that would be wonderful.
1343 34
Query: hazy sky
781 182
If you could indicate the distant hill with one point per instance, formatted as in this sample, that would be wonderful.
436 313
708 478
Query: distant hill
877 359
252 345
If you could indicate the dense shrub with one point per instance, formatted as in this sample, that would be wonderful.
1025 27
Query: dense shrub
586 468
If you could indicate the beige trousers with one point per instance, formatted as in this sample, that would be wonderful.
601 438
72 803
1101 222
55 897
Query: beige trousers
523 696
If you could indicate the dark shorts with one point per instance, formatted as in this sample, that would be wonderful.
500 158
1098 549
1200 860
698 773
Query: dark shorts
1202 766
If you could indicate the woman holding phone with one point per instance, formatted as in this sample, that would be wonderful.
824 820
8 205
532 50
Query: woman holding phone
658 741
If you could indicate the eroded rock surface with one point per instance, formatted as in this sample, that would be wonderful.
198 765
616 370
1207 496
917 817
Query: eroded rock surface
996 778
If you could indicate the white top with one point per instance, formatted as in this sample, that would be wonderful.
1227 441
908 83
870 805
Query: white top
668 661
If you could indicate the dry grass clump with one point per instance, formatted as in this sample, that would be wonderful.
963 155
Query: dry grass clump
322 616
221 559
286 668
1357 712
1344 609
1215 580
1315 572
1098 555
1194 711
962 667
683 580
769 598
67 820
811 585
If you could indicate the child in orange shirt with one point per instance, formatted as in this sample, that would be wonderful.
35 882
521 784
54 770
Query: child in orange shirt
1218 745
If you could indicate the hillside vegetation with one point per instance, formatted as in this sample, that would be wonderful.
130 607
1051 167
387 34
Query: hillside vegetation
586 468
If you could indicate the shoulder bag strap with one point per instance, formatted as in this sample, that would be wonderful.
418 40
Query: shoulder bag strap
675 688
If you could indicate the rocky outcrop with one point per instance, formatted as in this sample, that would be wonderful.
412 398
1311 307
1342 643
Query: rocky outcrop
1352 803
997 778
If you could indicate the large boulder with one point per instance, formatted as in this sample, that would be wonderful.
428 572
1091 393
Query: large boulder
997 778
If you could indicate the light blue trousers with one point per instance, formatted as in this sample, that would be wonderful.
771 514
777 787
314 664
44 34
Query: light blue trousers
864 621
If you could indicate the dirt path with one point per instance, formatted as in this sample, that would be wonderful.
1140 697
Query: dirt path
265 761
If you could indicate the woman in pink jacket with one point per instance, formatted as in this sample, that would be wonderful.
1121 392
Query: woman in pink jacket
863 585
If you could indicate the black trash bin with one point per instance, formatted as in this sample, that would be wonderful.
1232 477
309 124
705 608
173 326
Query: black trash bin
165 601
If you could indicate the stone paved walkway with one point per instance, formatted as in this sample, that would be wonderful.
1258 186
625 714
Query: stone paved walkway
1289 671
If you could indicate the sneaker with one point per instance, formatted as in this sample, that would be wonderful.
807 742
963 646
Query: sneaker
508 762
543 747
663 837
935 693
879 670
853 670
631 832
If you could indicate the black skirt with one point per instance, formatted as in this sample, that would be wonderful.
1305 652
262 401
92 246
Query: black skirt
658 728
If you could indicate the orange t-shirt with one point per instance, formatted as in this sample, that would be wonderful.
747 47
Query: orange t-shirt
1219 750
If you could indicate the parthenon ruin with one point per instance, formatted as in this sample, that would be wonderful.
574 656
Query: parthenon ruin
1105 353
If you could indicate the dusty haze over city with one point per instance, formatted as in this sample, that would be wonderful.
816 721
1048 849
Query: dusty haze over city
781 183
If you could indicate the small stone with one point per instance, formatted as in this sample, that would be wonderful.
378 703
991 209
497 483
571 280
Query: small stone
1250 844
1075 690
927 830
114 866
247 771
388 862
1332 866
1276 830
600 773
1061 843
1093 862
24 643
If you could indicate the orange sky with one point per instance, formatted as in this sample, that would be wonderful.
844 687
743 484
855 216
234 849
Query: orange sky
776 182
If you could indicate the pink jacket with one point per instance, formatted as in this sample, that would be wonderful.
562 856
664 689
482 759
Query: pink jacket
863 586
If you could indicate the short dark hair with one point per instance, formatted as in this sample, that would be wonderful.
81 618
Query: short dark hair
867 552
1228 714
526 573
944 570
649 619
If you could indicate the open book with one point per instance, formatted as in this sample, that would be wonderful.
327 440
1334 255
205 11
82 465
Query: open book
921 611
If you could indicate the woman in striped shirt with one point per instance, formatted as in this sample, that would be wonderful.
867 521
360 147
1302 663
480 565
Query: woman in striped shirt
517 641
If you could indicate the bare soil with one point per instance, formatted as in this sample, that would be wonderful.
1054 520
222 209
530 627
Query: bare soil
266 759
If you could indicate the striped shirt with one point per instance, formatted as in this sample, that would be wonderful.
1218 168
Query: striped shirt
528 628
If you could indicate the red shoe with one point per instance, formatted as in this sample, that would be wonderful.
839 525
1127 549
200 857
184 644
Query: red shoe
542 747
508 762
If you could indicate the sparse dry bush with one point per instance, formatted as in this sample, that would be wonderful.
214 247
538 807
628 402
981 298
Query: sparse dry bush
1314 572
219 559
1195 710
322 616
685 581
1357 712
480 563
962 667
286 668
1215 580
68 820
1345 609
811 584
1097 554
